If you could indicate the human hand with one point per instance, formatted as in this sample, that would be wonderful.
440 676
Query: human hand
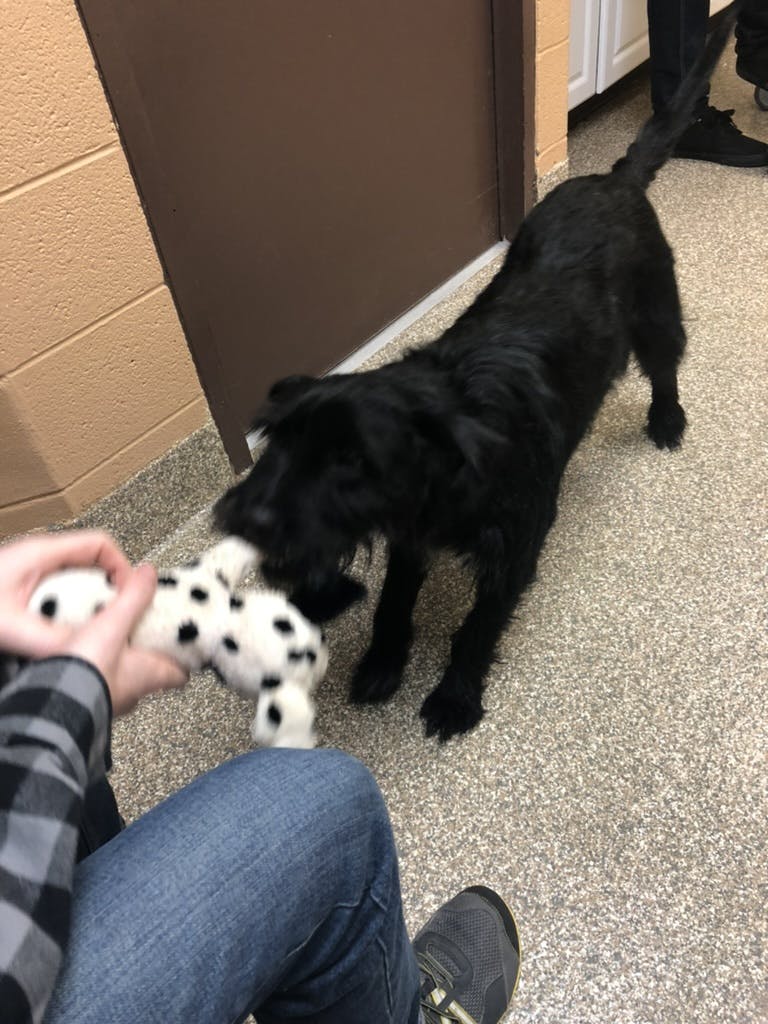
130 673
25 563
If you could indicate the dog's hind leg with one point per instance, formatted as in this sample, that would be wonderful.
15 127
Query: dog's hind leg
658 339
379 673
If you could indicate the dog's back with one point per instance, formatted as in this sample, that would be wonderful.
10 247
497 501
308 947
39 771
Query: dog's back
588 278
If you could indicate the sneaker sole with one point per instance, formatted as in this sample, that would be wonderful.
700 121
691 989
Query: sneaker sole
758 160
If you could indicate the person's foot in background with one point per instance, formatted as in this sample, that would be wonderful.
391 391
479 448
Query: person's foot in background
713 136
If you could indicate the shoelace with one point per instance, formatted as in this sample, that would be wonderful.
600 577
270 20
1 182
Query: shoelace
437 979
722 118
433 1016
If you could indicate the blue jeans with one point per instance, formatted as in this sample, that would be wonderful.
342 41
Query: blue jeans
269 885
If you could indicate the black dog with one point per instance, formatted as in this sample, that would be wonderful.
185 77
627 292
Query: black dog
462 444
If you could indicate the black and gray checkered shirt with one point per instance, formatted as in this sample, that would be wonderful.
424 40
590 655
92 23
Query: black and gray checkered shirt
54 727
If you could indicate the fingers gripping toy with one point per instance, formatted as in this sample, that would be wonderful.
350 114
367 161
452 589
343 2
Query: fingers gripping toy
256 642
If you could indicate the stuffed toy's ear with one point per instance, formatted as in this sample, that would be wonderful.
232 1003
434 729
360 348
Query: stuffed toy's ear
230 561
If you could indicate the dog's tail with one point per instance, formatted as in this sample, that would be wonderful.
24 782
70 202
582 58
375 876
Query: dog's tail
658 136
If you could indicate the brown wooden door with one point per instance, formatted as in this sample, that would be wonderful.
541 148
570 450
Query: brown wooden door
310 168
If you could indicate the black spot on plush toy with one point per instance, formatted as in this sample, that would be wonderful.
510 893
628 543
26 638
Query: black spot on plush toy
255 641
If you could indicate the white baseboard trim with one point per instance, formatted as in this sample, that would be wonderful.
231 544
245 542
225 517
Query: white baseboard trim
397 327
403 322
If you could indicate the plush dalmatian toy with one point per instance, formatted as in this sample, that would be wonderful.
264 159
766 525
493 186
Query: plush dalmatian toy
255 641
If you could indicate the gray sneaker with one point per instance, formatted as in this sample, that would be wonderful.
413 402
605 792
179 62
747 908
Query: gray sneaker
469 958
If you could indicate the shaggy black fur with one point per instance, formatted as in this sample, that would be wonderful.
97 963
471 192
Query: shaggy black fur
462 444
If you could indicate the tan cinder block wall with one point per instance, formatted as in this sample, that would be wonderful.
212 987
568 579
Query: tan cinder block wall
552 34
95 376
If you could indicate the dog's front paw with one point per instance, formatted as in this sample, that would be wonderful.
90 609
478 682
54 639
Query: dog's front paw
666 424
376 678
448 716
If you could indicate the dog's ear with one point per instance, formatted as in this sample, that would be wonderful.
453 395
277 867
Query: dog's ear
334 424
289 387
281 392
328 601
472 440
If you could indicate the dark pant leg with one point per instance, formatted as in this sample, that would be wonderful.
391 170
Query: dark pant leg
677 31
752 42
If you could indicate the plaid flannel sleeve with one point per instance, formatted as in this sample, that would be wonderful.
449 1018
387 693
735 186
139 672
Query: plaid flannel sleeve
54 726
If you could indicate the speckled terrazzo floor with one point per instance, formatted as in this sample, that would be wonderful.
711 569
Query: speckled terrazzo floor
616 791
